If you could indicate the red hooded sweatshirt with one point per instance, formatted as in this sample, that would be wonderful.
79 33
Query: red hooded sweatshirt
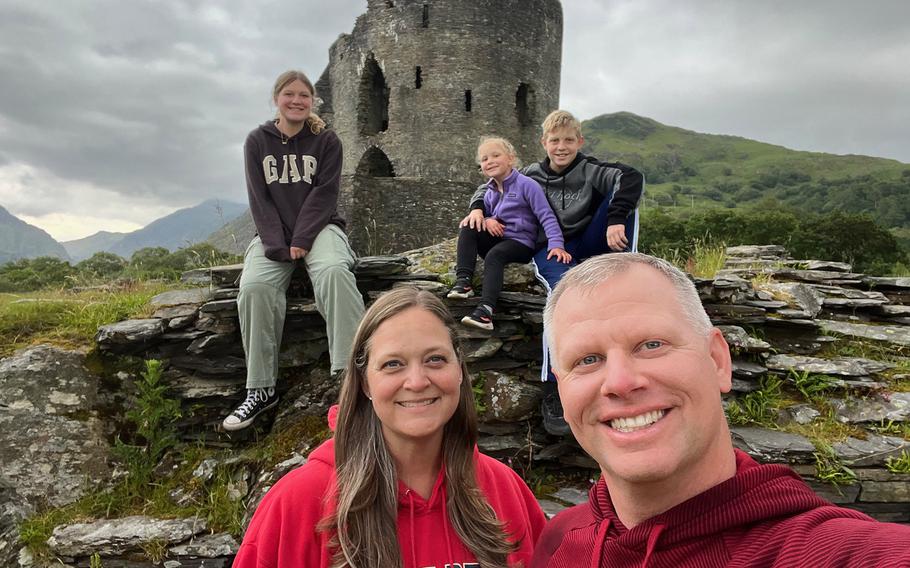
763 516
283 531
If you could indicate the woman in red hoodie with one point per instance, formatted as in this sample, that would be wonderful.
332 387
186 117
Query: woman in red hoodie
402 484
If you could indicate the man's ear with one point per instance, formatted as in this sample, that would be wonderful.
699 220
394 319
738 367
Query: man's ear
720 356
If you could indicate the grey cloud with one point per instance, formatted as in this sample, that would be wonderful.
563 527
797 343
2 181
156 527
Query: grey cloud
812 75
154 98
151 98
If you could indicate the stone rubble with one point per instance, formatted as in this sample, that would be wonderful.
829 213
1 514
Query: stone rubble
780 316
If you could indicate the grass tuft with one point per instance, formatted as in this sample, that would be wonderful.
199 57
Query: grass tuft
68 318
829 468
900 464
758 407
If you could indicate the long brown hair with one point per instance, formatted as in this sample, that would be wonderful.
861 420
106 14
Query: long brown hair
367 482
315 123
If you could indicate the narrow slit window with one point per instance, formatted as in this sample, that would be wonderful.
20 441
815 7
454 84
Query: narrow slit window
390 4
418 78
467 100
426 16
522 104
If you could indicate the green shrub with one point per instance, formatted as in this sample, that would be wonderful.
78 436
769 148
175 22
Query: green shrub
846 237
34 273
151 425
101 265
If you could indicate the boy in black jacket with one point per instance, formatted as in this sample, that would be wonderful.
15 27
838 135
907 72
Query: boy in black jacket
596 204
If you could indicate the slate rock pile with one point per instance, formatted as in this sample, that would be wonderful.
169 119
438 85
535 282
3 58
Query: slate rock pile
782 317
793 323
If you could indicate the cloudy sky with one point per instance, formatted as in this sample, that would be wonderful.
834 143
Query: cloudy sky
114 113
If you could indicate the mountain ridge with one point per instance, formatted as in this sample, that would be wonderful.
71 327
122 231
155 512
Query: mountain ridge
19 239
184 227
686 171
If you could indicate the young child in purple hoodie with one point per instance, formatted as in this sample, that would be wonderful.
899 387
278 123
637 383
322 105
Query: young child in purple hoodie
504 231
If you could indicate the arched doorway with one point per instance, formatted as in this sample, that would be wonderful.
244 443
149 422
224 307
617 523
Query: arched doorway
374 163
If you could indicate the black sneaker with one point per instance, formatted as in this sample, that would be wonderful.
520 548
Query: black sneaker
257 401
461 289
553 420
481 317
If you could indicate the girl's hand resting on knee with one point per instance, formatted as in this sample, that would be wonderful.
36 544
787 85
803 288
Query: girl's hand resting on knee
560 254
298 253
474 220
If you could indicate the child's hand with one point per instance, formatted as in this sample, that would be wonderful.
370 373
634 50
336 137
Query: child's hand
561 255
474 220
297 253
616 237
494 227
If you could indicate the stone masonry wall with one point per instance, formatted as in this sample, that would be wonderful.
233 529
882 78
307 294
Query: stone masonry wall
488 47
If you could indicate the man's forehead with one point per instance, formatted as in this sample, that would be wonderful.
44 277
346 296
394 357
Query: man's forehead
638 284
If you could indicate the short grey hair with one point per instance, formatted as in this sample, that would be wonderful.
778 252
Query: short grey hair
597 270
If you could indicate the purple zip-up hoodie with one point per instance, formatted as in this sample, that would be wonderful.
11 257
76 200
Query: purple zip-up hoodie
522 207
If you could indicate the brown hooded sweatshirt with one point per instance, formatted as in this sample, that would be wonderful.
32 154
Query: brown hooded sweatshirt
292 185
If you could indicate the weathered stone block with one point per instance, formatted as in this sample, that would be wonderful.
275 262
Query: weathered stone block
508 398
109 537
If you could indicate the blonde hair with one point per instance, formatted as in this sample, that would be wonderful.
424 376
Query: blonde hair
364 522
506 145
315 123
560 119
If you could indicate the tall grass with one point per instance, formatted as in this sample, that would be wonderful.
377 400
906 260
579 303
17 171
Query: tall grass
71 318
702 258
707 259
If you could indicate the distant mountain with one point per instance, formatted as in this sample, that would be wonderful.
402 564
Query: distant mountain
688 171
18 240
181 228
80 249
235 236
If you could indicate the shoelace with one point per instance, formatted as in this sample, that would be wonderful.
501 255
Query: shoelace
252 397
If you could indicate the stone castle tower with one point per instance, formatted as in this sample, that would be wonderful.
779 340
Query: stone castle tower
412 89
417 82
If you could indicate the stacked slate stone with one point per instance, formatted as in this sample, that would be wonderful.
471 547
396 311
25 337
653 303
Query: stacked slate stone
779 316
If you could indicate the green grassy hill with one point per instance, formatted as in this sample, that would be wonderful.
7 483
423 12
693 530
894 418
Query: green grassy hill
689 171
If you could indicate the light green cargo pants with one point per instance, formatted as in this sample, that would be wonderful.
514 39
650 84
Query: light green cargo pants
262 302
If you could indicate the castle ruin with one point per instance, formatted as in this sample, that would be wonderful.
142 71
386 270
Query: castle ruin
414 86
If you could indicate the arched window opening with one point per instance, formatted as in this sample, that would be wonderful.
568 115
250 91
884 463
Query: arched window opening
374 163
468 103
373 100
524 103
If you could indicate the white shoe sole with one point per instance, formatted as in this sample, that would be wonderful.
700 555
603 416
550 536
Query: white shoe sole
231 427
471 322
461 295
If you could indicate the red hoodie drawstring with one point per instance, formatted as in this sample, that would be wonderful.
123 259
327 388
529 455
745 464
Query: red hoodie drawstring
599 540
652 542
410 495
445 525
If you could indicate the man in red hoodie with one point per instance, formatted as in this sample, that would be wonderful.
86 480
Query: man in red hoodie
641 371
